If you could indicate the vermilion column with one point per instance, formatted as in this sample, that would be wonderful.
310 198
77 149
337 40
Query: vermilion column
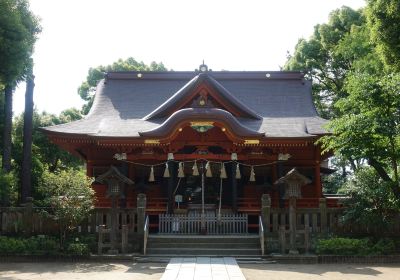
317 175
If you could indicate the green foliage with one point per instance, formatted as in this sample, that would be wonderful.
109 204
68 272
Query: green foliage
18 34
87 88
384 22
35 245
384 246
343 246
70 196
9 186
78 249
371 203
369 126
354 247
45 155
329 54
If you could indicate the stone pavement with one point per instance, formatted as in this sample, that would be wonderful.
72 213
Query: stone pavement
202 268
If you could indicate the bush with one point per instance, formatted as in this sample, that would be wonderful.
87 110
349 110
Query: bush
78 249
384 246
89 239
36 245
352 246
343 246
12 245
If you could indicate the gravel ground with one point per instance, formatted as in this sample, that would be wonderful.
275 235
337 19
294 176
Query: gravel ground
147 271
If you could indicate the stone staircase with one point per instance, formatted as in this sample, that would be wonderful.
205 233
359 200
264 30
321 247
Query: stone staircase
204 245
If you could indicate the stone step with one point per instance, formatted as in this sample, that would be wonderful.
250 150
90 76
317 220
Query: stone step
168 239
203 252
192 244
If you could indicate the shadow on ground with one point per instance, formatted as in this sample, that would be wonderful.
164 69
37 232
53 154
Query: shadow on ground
318 269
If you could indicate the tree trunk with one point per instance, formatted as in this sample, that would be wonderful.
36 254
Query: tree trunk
385 176
6 161
26 188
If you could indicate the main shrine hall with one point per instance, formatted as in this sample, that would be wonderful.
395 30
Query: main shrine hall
203 141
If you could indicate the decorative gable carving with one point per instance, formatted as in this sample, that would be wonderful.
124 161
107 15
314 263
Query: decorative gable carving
203 91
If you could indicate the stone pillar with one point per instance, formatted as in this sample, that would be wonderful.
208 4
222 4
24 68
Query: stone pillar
114 226
324 215
141 213
266 212
292 225
28 216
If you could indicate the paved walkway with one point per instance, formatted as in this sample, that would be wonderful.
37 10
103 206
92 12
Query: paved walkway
203 268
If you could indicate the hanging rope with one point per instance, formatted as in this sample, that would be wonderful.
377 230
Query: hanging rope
220 202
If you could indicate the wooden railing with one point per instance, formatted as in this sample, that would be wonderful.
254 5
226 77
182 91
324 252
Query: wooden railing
261 234
213 224
145 234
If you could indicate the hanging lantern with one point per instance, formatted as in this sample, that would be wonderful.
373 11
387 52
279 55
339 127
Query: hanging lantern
252 175
223 172
208 170
151 177
181 173
166 171
238 176
195 169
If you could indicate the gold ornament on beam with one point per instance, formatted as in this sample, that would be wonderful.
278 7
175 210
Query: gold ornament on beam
151 176
238 175
195 169
166 171
252 175
181 173
208 170
223 172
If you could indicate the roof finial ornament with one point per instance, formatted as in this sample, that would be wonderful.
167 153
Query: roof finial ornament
203 67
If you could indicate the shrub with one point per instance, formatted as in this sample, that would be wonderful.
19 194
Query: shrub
343 246
78 249
384 246
37 245
11 245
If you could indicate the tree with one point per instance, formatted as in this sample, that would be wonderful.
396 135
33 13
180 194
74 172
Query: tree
87 88
371 202
384 22
70 196
369 126
45 155
327 56
19 29
26 187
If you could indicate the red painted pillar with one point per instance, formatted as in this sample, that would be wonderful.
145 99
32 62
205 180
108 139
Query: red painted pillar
317 175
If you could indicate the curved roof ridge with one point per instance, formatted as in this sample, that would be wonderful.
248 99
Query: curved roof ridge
186 89
201 114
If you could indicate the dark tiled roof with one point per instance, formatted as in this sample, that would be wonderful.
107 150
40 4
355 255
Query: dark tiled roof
282 100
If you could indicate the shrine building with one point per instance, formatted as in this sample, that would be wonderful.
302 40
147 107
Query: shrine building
203 141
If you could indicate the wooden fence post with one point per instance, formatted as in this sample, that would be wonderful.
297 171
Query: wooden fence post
306 233
28 216
266 212
282 238
101 238
124 239
292 225
324 215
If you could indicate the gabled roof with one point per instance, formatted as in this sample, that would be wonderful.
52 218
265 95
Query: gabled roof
188 89
113 173
201 114
277 104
